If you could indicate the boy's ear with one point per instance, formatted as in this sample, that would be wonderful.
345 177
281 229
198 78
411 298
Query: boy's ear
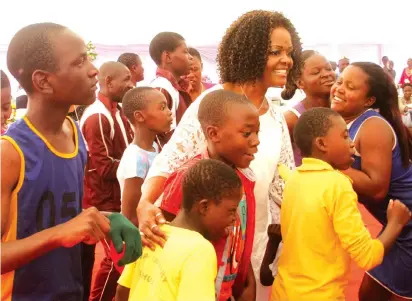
42 81
203 206
321 144
166 57
212 133
139 116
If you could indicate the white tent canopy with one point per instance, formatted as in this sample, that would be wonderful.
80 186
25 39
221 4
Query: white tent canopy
358 29
203 23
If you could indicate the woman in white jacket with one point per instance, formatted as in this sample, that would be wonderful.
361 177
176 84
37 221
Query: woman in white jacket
257 52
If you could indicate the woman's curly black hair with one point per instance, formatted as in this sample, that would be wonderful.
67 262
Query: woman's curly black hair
244 49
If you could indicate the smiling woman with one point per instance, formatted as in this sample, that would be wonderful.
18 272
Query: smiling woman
382 169
314 77
257 52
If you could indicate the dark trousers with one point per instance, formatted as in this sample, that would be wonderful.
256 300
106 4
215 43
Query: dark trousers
87 267
105 282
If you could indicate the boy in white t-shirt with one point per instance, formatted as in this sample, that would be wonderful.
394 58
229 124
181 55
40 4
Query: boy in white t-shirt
147 111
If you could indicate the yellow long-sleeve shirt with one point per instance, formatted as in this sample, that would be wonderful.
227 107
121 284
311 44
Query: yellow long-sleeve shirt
322 230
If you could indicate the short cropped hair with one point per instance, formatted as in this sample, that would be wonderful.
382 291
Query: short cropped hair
128 59
5 82
164 41
194 52
135 100
211 180
214 107
31 49
312 124
406 85
343 59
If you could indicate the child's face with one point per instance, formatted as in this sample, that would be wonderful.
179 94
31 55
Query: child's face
181 59
317 76
157 115
407 92
5 105
237 139
339 148
218 218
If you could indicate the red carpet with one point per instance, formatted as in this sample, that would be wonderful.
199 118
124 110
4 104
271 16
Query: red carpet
356 275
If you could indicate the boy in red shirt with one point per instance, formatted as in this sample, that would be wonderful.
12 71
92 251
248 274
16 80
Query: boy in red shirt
231 125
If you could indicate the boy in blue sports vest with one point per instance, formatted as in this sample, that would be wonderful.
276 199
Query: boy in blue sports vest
42 166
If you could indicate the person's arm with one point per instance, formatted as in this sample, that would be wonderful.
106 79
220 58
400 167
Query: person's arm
285 158
291 120
352 233
122 293
398 216
134 170
88 227
275 237
130 198
96 131
376 140
187 141
198 274
125 282
249 291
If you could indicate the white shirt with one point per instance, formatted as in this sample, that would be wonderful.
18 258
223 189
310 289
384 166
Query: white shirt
135 163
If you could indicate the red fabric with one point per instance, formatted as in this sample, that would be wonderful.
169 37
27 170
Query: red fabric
171 201
101 188
184 99
405 77
116 257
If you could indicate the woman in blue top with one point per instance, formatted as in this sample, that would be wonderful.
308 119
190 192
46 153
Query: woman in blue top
382 169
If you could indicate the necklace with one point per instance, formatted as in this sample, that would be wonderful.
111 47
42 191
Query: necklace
263 98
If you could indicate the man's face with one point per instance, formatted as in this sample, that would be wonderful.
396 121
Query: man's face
137 71
75 81
181 59
119 83
343 63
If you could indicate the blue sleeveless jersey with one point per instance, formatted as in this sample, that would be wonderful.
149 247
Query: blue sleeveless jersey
395 272
49 193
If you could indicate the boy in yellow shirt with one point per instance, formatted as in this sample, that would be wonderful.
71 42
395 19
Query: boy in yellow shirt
321 226
185 269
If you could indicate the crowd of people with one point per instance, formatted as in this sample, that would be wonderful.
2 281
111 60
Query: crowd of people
199 191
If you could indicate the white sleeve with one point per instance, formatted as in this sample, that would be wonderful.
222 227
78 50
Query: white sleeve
286 158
